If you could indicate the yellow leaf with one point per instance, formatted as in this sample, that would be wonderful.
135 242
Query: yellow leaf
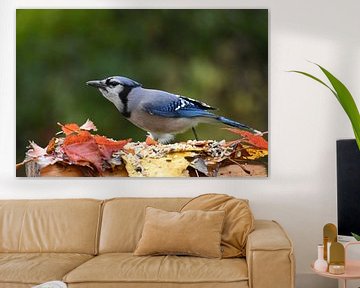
255 153
171 165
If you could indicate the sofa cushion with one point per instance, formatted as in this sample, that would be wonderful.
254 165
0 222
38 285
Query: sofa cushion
63 226
127 268
36 268
193 232
123 220
238 223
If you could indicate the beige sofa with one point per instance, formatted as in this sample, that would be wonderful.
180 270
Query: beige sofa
89 243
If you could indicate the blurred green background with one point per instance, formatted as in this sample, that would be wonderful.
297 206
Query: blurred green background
217 56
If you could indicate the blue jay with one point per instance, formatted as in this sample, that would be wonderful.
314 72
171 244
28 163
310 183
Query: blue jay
160 113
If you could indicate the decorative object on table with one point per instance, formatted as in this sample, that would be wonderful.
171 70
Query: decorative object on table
320 264
329 236
336 269
337 258
344 97
51 284
340 267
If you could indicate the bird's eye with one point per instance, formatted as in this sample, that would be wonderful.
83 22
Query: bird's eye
111 82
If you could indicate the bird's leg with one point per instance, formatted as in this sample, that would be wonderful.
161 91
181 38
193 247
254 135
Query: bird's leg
195 134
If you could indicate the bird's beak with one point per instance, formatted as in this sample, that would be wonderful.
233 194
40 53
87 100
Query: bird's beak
96 84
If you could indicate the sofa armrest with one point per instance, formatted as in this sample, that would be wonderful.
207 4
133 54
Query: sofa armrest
269 256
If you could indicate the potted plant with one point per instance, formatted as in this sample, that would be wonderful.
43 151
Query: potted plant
345 99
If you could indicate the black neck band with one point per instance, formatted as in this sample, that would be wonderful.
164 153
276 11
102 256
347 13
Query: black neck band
123 95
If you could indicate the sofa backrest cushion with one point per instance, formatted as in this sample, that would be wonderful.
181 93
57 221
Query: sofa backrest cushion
238 224
123 220
66 226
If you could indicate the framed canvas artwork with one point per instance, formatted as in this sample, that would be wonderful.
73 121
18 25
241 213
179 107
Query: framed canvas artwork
142 93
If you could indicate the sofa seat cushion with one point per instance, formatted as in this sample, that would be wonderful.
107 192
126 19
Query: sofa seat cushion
127 268
36 268
242 284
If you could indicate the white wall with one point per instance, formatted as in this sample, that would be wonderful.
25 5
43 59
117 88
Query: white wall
305 120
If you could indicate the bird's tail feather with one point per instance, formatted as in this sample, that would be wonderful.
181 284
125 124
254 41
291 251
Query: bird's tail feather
235 124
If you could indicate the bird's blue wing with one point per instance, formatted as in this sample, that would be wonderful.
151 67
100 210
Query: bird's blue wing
179 107
168 105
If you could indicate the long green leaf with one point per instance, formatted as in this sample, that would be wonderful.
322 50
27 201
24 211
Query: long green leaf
347 101
316 79
344 97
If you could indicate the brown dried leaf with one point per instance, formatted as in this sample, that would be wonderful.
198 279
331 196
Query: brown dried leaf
255 169
117 171
232 170
58 170
51 146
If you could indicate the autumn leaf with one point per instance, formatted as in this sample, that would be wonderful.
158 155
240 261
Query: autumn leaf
253 139
51 146
82 149
243 170
150 141
84 153
70 128
35 150
74 128
88 125
81 136
107 146
172 165
254 154
65 171
81 153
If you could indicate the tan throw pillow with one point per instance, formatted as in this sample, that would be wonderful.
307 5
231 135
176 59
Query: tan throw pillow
239 221
196 233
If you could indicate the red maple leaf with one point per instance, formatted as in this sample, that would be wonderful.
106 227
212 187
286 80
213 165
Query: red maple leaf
107 146
70 128
81 148
253 139
150 141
